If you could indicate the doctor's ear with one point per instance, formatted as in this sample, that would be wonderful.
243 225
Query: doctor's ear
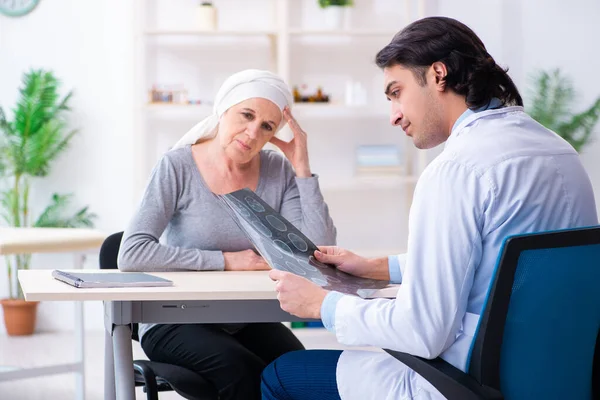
439 72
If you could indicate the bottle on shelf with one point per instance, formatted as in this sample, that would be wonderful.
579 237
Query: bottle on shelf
296 92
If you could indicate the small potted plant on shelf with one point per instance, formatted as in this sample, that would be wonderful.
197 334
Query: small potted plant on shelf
29 143
336 13
551 97
206 16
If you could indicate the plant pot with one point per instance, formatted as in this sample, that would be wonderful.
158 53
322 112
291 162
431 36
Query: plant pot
206 18
19 316
333 17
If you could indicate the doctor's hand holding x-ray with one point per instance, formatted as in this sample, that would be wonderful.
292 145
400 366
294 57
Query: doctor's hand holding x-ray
303 298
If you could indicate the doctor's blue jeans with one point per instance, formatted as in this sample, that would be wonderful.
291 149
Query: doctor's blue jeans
302 375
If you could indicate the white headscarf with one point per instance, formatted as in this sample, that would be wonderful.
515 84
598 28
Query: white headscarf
238 87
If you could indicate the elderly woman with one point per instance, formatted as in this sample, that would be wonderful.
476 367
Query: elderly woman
222 154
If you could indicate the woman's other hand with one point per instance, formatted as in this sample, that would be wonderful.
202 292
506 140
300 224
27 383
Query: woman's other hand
295 150
246 260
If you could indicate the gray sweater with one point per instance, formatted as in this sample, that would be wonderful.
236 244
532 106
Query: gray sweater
180 226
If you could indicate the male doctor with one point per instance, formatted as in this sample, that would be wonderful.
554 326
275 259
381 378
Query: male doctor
500 173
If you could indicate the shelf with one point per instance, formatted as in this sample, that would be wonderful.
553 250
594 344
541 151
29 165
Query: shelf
354 32
293 32
192 110
370 183
208 33
302 110
171 48
178 106
336 110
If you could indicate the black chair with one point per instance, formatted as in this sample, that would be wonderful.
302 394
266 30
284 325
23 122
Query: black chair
157 377
539 335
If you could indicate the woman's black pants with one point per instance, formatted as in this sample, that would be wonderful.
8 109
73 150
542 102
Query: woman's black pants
232 362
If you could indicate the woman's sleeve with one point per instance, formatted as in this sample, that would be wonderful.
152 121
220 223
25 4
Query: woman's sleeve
140 248
303 205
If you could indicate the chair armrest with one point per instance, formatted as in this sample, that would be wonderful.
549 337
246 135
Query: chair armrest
145 370
451 382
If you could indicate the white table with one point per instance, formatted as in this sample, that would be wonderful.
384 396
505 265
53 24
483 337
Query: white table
209 297
206 297
15 241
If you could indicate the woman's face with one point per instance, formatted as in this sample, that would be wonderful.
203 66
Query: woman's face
246 127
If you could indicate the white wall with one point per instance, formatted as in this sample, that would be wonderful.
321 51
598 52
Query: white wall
542 34
90 46
565 35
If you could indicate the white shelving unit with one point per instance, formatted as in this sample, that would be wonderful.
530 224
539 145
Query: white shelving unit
302 110
169 47
192 32
343 32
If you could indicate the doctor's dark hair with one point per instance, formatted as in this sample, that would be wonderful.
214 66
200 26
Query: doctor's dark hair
472 72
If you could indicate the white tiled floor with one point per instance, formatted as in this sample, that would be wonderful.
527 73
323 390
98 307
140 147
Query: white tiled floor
50 348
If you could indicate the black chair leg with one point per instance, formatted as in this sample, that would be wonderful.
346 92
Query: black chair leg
149 381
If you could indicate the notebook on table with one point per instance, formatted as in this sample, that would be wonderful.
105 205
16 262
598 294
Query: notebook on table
109 279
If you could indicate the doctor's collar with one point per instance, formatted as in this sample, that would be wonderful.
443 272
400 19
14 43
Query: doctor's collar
493 104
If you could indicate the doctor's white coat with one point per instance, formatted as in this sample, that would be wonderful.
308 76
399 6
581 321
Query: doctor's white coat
500 173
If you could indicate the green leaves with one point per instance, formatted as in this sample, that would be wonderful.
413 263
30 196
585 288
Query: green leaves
552 96
9 199
5 130
327 3
53 215
38 102
578 129
37 134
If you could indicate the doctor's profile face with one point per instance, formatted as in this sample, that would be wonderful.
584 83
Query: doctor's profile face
246 127
415 105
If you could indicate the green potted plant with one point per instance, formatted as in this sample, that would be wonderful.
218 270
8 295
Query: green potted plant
328 3
336 13
29 143
551 96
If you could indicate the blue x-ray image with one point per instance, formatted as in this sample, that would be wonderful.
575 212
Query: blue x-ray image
284 247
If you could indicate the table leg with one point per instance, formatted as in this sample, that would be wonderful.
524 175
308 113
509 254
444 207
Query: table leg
109 366
123 358
79 339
